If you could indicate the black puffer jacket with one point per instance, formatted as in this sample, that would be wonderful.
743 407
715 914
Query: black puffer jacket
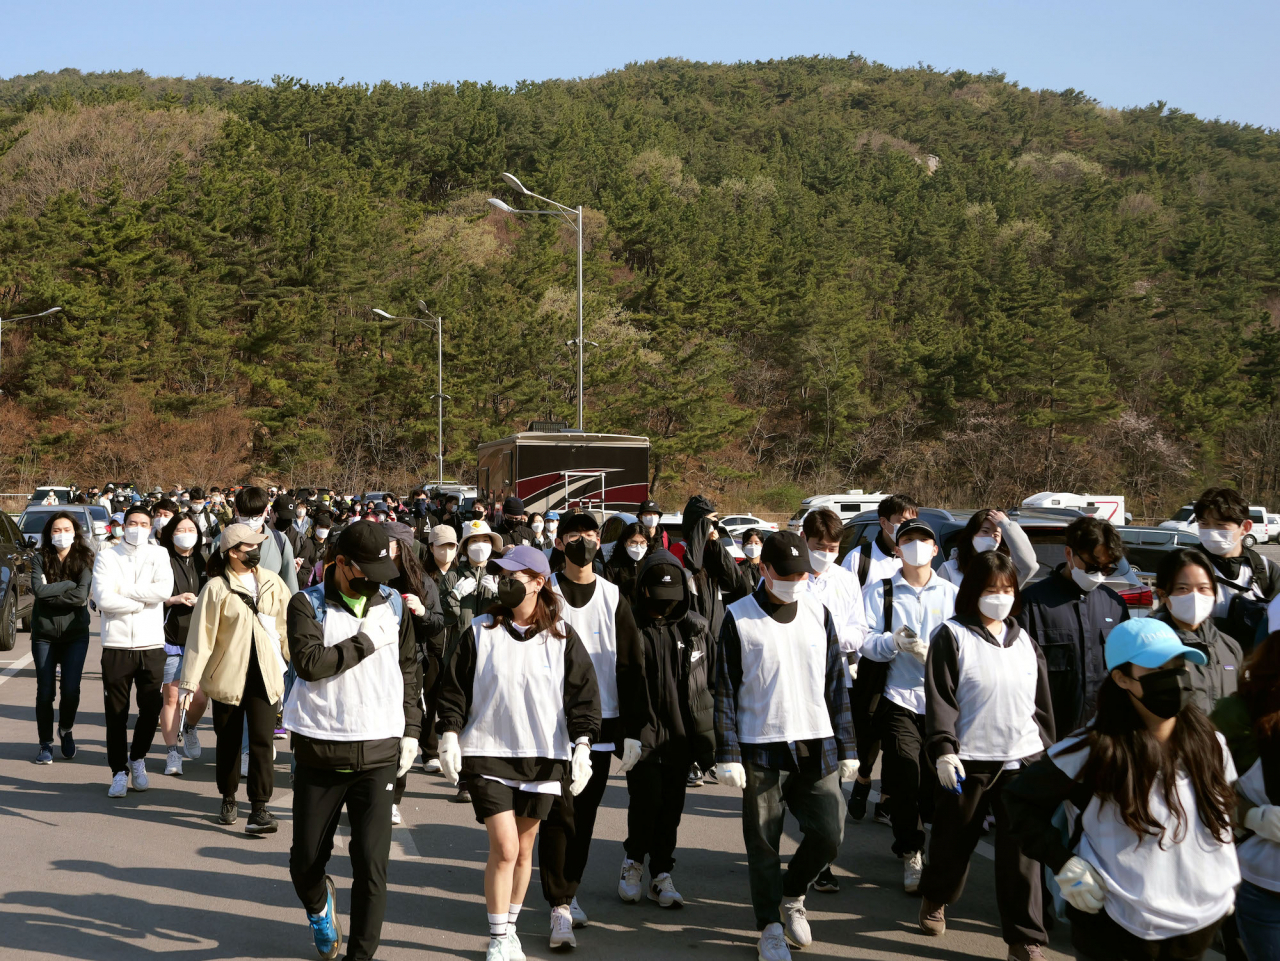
664 689
59 611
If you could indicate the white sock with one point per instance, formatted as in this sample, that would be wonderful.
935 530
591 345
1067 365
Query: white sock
512 913
497 925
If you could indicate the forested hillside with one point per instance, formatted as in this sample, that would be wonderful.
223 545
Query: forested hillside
800 274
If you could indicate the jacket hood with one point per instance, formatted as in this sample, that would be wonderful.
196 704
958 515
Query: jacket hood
695 527
661 558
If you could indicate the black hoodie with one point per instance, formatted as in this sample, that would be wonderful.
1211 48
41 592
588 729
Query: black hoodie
717 578
664 687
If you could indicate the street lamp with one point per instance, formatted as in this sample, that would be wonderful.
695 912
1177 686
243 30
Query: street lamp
43 313
440 396
573 217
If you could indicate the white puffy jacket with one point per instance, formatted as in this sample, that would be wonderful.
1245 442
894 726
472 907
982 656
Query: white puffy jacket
130 586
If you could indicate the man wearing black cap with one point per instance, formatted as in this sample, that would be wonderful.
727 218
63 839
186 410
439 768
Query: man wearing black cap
784 735
355 716
515 532
902 614
650 516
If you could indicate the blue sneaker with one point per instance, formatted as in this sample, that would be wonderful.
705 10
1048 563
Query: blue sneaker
46 754
325 927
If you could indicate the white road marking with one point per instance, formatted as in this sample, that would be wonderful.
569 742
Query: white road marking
17 665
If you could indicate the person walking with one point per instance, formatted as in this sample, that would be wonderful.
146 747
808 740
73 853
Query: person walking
519 709
131 582
987 714
784 736
355 716
1149 870
628 550
61 575
441 567
181 538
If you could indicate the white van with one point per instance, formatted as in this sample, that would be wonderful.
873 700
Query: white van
1104 507
847 505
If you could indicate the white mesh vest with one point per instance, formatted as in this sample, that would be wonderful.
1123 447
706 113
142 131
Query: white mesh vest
365 703
784 673
517 696
996 695
595 626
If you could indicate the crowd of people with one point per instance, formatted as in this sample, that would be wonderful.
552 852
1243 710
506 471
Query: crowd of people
1128 767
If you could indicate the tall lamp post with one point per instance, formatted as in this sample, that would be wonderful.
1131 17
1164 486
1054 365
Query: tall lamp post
573 217
43 313
436 323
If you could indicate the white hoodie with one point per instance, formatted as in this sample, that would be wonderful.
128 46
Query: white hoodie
130 586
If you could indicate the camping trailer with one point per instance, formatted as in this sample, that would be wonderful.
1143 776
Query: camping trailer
556 471
1104 507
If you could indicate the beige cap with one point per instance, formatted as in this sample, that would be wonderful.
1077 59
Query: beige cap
443 534
238 534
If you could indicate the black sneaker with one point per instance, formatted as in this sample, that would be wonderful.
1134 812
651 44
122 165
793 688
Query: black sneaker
68 744
826 882
261 821
230 810
858 799
695 777
463 796
882 813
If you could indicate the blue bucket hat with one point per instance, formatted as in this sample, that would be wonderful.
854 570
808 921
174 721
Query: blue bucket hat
1148 643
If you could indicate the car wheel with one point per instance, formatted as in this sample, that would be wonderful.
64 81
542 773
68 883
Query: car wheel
9 623
1249 540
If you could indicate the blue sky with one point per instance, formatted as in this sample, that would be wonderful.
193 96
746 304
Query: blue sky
1213 59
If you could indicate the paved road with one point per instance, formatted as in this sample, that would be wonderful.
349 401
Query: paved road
155 876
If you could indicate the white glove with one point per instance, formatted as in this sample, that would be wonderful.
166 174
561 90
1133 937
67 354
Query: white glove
1082 885
950 772
184 702
630 754
909 644
464 587
450 757
580 769
848 769
408 754
733 774
490 583
1264 821
414 603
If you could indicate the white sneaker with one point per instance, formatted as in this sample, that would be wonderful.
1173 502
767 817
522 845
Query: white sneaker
244 764
138 775
173 762
773 946
562 935
190 743
912 868
663 890
797 922
579 916
514 950
119 785
433 766
497 950
395 814
629 883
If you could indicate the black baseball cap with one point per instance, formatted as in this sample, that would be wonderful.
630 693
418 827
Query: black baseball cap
786 553
664 582
915 526
367 545
284 504
649 507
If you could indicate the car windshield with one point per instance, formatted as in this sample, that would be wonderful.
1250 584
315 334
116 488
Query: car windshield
43 492
33 522
1185 514
799 515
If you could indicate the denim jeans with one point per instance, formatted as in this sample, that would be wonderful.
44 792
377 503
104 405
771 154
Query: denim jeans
1258 921
48 656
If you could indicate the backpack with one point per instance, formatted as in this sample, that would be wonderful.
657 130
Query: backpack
868 685
864 563
1246 617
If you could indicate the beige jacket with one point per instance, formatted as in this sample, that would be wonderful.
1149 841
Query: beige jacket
216 659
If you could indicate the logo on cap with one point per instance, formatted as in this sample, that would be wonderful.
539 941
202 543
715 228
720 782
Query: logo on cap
794 552
383 552
666 578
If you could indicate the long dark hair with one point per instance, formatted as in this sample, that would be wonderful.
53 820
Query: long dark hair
624 562
1126 762
546 612
79 557
410 567
987 570
965 551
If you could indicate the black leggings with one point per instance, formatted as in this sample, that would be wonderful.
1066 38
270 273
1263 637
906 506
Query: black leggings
228 726
1098 937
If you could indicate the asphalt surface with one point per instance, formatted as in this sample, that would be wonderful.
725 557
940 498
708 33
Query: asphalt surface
153 875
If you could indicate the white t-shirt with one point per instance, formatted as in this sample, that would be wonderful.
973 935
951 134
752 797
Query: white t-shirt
1156 892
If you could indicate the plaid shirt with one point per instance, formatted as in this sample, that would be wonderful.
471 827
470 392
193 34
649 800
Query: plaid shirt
780 755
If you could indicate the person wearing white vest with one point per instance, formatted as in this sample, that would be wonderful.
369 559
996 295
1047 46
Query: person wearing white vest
784 736
602 618
518 708
355 715
131 582
988 712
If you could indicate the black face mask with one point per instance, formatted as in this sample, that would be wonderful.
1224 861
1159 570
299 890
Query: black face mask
362 587
659 609
1165 693
419 508
252 559
511 592
581 552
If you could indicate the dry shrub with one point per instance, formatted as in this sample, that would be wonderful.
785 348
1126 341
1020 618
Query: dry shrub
457 239
655 165
876 139
1138 206
84 150
1061 167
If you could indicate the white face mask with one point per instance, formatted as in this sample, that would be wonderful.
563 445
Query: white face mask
637 551
1087 582
197 507
1191 609
478 552
1217 542
788 591
157 523
322 533
61 541
255 523
135 535
551 528
752 550
537 527
649 520
821 560
996 606
916 553
982 543
444 556
186 540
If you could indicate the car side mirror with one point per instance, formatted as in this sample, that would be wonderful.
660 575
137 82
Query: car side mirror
32 540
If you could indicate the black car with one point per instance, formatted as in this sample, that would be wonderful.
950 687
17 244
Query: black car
15 581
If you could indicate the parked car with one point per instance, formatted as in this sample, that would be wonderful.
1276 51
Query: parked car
41 494
1261 532
848 504
1183 520
93 520
1273 526
1146 546
736 524
15 582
